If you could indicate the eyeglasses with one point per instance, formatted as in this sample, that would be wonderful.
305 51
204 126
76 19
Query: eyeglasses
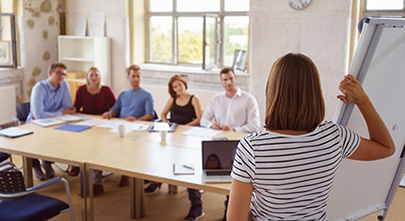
59 73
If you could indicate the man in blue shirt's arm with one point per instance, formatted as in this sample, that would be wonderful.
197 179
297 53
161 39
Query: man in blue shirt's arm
50 98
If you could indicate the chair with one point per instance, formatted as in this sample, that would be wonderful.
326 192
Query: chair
22 111
3 156
23 204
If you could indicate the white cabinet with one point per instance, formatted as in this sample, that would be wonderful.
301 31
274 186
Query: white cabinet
80 53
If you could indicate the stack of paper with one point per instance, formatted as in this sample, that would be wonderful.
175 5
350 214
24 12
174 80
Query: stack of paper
202 132
14 132
45 122
92 122
69 118
129 127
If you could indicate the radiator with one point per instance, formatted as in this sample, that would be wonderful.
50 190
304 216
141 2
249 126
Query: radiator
7 106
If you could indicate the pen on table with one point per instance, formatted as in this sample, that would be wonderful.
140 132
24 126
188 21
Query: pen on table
108 106
188 167
219 123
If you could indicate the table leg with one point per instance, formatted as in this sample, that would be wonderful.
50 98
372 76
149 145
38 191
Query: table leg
84 187
137 201
27 169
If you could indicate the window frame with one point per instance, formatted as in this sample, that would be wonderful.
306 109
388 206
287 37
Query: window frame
221 14
13 41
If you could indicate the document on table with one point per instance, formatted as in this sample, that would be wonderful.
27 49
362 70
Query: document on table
13 132
45 122
161 126
110 124
183 168
84 116
129 127
137 126
69 118
92 122
202 132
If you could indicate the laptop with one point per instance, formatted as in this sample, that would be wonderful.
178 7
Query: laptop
217 160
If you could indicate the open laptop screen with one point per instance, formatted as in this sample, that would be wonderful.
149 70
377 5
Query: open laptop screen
218 154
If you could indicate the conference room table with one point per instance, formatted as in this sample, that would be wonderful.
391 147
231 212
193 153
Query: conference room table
138 154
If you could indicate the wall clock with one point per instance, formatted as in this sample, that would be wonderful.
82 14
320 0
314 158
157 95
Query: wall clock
298 4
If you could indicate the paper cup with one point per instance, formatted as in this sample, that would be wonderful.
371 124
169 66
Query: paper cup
163 134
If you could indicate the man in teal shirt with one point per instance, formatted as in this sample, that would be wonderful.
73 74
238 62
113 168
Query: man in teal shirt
50 98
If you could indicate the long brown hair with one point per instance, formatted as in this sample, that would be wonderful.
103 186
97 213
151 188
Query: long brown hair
174 78
294 98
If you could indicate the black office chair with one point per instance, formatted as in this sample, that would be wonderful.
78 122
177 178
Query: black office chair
23 204
22 111
3 156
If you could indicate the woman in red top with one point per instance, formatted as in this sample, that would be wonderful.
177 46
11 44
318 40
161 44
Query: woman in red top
93 98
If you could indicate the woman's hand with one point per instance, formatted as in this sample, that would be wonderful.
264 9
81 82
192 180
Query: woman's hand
352 90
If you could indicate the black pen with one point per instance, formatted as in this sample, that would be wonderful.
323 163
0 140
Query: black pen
188 167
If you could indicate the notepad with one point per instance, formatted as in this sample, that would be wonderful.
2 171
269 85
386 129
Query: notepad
46 122
183 168
202 132
69 118
13 132
73 128
158 126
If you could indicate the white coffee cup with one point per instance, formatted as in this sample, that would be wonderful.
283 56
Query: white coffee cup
121 130
163 134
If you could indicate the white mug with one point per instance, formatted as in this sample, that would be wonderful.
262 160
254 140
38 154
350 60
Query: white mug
163 134
121 130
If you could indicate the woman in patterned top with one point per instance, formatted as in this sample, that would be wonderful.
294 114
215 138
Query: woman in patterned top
286 172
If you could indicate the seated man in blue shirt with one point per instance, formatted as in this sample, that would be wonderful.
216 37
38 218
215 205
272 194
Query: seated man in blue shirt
132 104
50 98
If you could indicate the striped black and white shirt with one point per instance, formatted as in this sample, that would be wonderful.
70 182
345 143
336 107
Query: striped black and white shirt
292 175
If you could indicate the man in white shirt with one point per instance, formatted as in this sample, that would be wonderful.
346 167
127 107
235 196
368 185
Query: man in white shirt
231 110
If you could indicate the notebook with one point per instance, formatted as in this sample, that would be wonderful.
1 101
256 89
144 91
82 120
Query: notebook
13 132
73 128
156 127
217 160
45 122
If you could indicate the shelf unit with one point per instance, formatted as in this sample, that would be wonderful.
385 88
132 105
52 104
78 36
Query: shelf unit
80 53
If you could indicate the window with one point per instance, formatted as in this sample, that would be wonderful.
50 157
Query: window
201 33
8 43
383 8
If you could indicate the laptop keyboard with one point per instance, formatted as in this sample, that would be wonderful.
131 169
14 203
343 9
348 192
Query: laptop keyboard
218 172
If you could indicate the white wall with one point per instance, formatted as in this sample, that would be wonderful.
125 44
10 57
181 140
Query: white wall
116 29
319 31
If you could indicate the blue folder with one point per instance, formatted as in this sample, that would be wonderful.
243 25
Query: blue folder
73 128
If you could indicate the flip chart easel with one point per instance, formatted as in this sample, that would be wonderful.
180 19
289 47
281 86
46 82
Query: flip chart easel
362 188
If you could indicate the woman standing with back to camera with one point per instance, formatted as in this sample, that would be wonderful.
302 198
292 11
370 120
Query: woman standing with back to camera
287 171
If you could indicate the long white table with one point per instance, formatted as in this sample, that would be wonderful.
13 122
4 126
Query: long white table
139 154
